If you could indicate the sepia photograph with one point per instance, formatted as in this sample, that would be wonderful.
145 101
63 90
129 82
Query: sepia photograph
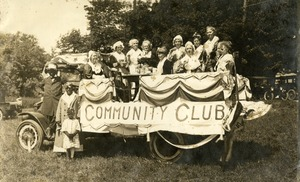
149 90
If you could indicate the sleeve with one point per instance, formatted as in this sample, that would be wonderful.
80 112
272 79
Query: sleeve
58 111
112 59
128 55
106 71
167 67
78 125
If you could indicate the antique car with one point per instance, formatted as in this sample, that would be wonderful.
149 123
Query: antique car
164 110
9 109
259 85
283 86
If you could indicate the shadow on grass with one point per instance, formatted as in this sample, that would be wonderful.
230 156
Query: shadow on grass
107 146
243 152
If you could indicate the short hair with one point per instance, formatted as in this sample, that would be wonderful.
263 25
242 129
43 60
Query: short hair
147 42
227 44
211 28
178 37
189 43
132 41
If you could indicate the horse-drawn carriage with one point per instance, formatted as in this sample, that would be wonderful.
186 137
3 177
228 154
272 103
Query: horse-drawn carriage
163 110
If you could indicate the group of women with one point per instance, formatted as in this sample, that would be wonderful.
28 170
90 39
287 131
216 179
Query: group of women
213 55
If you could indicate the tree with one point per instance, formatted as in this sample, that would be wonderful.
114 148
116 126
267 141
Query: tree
139 22
106 23
73 42
21 61
264 33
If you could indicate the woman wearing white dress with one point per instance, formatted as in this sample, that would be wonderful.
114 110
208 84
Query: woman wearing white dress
210 47
178 51
132 55
190 62
225 60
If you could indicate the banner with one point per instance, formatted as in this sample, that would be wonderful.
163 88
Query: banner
201 87
197 118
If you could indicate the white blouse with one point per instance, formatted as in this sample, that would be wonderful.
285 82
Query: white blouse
223 61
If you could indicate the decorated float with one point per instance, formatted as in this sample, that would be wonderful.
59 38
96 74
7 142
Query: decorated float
164 109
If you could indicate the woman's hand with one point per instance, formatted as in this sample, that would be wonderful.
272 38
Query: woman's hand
115 64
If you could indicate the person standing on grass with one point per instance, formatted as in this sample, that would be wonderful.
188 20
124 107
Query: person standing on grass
71 128
52 87
67 100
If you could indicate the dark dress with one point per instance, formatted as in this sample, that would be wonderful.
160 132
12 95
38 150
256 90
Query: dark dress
167 67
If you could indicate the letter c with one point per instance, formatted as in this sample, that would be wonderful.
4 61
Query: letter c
177 112
86 112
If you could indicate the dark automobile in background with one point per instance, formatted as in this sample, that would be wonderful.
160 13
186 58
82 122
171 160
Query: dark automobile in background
282 86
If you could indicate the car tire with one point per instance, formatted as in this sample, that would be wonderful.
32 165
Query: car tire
163 151
30 135
268 95
284 95
291 94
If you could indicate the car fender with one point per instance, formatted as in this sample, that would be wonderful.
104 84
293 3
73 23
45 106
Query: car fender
36 116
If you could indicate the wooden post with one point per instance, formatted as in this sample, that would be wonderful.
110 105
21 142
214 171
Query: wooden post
244 12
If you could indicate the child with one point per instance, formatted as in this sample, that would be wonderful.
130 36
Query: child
70 129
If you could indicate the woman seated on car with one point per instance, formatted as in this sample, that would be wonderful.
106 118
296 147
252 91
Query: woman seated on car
190 62
98 67
118 59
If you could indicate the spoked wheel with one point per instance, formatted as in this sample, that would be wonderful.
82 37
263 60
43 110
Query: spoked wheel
284 95
1 115
291 94
162 150
30 135
268 95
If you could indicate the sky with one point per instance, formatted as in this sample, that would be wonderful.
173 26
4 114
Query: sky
47 20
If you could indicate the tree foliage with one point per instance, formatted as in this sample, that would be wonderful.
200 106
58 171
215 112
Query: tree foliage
106 22
73 42
266 39
21 61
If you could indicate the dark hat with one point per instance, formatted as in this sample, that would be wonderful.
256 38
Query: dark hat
162 49
197 35
69 85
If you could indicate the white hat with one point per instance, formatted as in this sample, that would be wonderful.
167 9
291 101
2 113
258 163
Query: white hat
178 37
117 44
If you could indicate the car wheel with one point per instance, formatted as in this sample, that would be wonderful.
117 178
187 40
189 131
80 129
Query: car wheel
284 95
291 94
163 151
30 135
268 95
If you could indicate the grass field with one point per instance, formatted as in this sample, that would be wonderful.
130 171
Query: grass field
266 150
